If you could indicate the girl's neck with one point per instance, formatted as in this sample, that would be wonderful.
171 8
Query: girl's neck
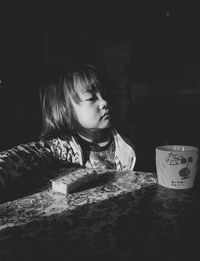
98 137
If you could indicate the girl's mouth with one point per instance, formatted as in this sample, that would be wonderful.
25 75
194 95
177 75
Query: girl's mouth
105 116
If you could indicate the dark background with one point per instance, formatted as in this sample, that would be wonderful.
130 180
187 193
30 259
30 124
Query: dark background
164 55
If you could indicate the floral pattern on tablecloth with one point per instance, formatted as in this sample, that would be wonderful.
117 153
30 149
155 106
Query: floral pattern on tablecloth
110 222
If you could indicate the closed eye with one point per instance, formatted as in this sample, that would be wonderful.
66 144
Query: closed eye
92 99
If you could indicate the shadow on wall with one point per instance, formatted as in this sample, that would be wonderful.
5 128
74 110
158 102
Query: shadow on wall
19 123
17 127
160 120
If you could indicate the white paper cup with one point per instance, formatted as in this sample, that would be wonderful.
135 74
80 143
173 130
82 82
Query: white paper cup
177 165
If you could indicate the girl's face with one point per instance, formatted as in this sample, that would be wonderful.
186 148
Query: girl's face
92 111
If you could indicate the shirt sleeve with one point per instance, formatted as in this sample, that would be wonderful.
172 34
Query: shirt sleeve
22 158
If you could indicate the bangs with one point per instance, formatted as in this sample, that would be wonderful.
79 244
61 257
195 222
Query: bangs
84 82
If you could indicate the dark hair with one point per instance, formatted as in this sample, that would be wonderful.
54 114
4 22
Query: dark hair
58 114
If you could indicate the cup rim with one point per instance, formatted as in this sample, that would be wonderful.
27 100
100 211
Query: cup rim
177 148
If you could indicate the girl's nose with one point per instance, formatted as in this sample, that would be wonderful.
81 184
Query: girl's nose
103 104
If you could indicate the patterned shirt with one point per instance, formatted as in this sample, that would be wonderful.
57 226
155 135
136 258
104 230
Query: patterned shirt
99 157
24 158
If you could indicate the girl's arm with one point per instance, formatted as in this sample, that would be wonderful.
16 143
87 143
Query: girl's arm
25 157
17 161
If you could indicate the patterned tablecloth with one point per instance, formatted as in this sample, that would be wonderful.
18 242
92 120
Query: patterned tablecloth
118 220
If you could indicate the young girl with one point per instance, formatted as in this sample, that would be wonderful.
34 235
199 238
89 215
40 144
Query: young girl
76 129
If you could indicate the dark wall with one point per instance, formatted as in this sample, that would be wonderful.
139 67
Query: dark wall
162 120
163 40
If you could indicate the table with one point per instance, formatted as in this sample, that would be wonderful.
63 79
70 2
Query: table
140 220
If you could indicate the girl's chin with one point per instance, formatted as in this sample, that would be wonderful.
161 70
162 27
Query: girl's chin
105 125
107 122
100 128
